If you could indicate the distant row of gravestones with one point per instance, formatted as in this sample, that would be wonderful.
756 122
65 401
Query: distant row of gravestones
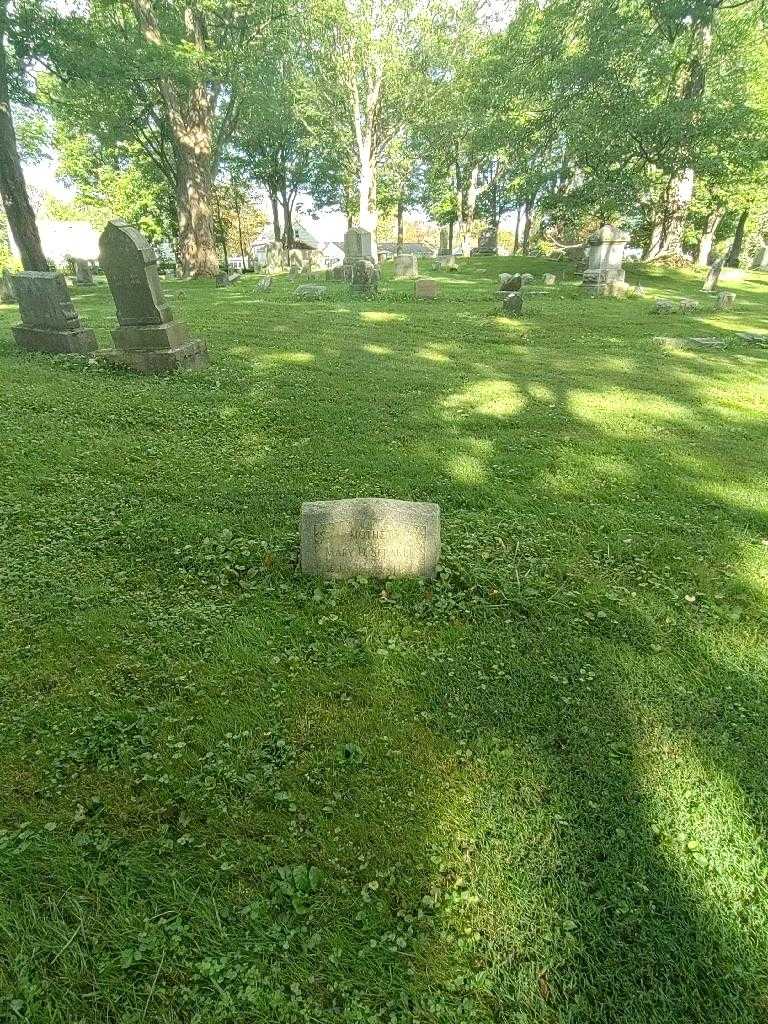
147 340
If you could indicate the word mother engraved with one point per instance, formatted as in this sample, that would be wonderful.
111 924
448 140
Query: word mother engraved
379 537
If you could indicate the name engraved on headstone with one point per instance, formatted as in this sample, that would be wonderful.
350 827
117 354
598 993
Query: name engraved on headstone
370 537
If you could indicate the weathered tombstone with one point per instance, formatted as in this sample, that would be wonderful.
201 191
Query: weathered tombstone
379 537
365 277
713 276
50 323
688 305
312 292
298 261
663 306
147 339
358 245
274 258
725 300
83 273
406 266
7 291
425 289
604 253
447 263
488 243
617 289
550 279
512 303
513 283
761 258
445 247
264 284
527 278
224 280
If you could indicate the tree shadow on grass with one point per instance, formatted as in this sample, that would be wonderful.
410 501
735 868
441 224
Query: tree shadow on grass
534 770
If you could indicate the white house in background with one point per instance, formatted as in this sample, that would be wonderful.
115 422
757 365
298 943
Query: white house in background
64 238
332 254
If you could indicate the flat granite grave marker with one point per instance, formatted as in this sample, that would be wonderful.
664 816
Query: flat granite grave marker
379 537
148 339
50 323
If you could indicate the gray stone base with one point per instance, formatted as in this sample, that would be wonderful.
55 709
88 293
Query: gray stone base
193 355
599 282
155 338
41 339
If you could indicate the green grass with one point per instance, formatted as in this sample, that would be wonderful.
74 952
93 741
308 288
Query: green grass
534 790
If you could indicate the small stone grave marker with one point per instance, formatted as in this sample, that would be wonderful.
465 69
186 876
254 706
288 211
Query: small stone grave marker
310 292
379 537
424 288
406 265
512 304
83 273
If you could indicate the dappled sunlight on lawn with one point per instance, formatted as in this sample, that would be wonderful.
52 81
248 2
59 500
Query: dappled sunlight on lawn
497 398
377 316
377 350
613 410
470 467
433 355
507 323
287 357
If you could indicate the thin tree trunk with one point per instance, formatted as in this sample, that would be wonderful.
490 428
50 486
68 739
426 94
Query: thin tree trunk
400 211
734 253
275 217
288 239
516 244
18 209
707 239
450 237
240 236
528 211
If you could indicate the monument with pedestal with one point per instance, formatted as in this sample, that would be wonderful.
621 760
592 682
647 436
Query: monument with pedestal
148 339
605 253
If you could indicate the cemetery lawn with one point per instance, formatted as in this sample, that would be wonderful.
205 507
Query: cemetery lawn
532 790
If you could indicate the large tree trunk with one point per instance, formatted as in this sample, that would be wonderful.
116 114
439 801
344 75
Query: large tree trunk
667 234
192 137
734 253
190 119
707 239
18 209
400 211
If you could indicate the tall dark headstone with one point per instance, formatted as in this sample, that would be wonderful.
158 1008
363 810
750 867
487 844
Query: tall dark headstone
148 339
50 323
713 276
7 291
